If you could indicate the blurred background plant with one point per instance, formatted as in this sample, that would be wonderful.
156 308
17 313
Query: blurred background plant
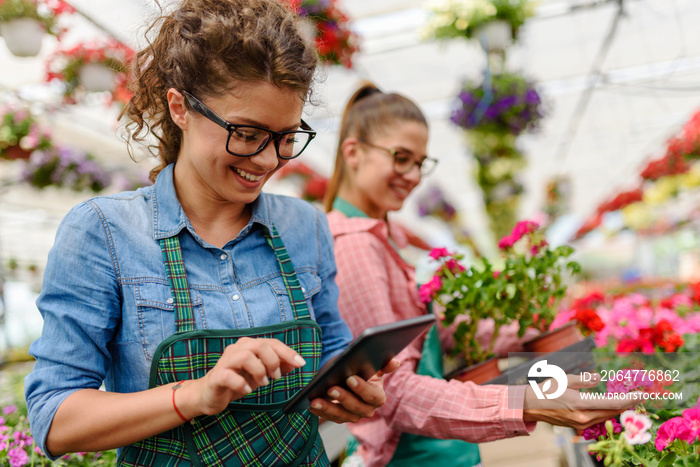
20 133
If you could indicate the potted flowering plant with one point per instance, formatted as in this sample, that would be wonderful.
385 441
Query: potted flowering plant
326 25
527 288
495 22
65 167
20 134
95 66
23 23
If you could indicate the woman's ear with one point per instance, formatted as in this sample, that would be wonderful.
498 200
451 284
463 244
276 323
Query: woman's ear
177 108
350 148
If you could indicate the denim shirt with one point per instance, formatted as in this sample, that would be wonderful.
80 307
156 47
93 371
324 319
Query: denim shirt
107 304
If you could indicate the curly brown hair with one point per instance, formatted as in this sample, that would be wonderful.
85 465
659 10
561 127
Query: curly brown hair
206 47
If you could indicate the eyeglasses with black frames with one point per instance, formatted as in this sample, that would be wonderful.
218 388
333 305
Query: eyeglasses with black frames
249 140
404 160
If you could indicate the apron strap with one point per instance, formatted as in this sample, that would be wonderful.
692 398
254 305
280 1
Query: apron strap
177 276
180 287
300 309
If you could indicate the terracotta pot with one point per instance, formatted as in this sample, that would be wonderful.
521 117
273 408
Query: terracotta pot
23 36
16 153
494 36
481 372
555 340
96 77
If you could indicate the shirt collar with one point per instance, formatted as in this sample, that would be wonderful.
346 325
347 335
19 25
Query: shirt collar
169 218
350 210
354 220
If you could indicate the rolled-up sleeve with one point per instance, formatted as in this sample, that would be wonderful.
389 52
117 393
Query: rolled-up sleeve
80 305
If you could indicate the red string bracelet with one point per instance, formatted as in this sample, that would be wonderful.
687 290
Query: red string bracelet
176 387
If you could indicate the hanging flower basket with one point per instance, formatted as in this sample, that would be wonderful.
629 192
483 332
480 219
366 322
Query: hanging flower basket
23 24
494 36
326 25
92 67
23 36
448 19
96 77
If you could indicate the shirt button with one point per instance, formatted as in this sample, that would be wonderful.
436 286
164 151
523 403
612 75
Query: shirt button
223 257
235 297
170 300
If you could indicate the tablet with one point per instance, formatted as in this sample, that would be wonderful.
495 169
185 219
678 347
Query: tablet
366 355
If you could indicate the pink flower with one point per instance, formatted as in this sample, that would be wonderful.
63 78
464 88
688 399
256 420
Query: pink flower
438 253
506 242
636 427
7 410
453 265
523 228
627 380
429 289
689 430
667 433
17 457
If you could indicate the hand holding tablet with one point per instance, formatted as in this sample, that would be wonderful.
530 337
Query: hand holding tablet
370 352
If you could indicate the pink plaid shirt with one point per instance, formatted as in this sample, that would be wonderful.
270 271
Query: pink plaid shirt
377 286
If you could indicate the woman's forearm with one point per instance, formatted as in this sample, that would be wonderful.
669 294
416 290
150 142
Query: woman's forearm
92 420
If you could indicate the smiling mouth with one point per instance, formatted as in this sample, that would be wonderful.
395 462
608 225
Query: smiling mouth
401 191
248 176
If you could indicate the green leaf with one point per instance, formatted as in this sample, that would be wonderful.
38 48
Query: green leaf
668 459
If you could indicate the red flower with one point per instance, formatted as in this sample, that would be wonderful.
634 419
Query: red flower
589 318
315 188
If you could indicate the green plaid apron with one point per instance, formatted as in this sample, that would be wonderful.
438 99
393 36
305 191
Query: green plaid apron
252 431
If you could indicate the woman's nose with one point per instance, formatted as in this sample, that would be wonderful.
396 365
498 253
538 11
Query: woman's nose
267 158
413 175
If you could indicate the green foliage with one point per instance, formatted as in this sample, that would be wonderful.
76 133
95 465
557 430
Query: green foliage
527 289
14 9
459 18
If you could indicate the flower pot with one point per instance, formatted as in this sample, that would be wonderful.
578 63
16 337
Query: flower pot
481 372
494 36
96 77
16 153
307 28
23 36
557 339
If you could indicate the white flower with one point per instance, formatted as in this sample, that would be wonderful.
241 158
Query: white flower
636 427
